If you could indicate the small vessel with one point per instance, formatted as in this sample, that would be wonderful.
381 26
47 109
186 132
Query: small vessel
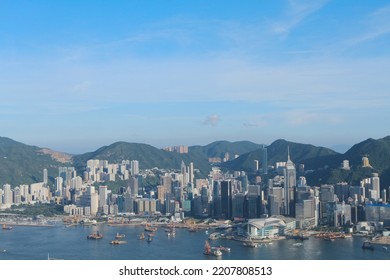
221 248
214 236
119 236
217 253
367 245
96 235
5 227
3 251
193 229
328 238
298 244
150 239
172 232
214 251
249 243
141 236
207 248
117 242
150 228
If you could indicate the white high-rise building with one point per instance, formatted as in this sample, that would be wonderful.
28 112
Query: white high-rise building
8 197
102 196
58 182
375 186
45 176
134 167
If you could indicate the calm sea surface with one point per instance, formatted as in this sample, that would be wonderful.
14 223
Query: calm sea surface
36 243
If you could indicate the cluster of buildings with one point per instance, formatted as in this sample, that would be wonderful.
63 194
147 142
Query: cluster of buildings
221 195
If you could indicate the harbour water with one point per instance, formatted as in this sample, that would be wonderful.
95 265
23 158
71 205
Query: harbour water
71 243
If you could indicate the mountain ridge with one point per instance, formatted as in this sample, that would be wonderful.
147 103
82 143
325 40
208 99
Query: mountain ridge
21 163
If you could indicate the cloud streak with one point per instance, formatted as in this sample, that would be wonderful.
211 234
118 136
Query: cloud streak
296 13
212 120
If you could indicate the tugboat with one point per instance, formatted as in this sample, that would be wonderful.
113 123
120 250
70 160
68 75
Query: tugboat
95 236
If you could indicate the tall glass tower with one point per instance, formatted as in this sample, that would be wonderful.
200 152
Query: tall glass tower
290 182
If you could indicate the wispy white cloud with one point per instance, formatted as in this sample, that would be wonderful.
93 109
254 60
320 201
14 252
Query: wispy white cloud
256 123
212 120
297 11
301 117
377 24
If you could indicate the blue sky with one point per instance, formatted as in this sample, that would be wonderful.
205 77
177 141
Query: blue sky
76 75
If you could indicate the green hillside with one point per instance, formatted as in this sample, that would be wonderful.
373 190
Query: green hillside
277 152
24 164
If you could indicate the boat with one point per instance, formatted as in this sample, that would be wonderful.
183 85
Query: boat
211 251
150 228
150 239
119 236
3 251
298 244
117 242
207 248
367 245
5 227
172 233
217 253
221 248
96 235
328 238
249 243
214 236
141 236
51 258
193 229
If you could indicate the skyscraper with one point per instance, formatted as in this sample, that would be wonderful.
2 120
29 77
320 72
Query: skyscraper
134 167
226 199
264 160
290 182
45 176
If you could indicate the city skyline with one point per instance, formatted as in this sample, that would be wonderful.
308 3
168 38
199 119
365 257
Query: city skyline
77 76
